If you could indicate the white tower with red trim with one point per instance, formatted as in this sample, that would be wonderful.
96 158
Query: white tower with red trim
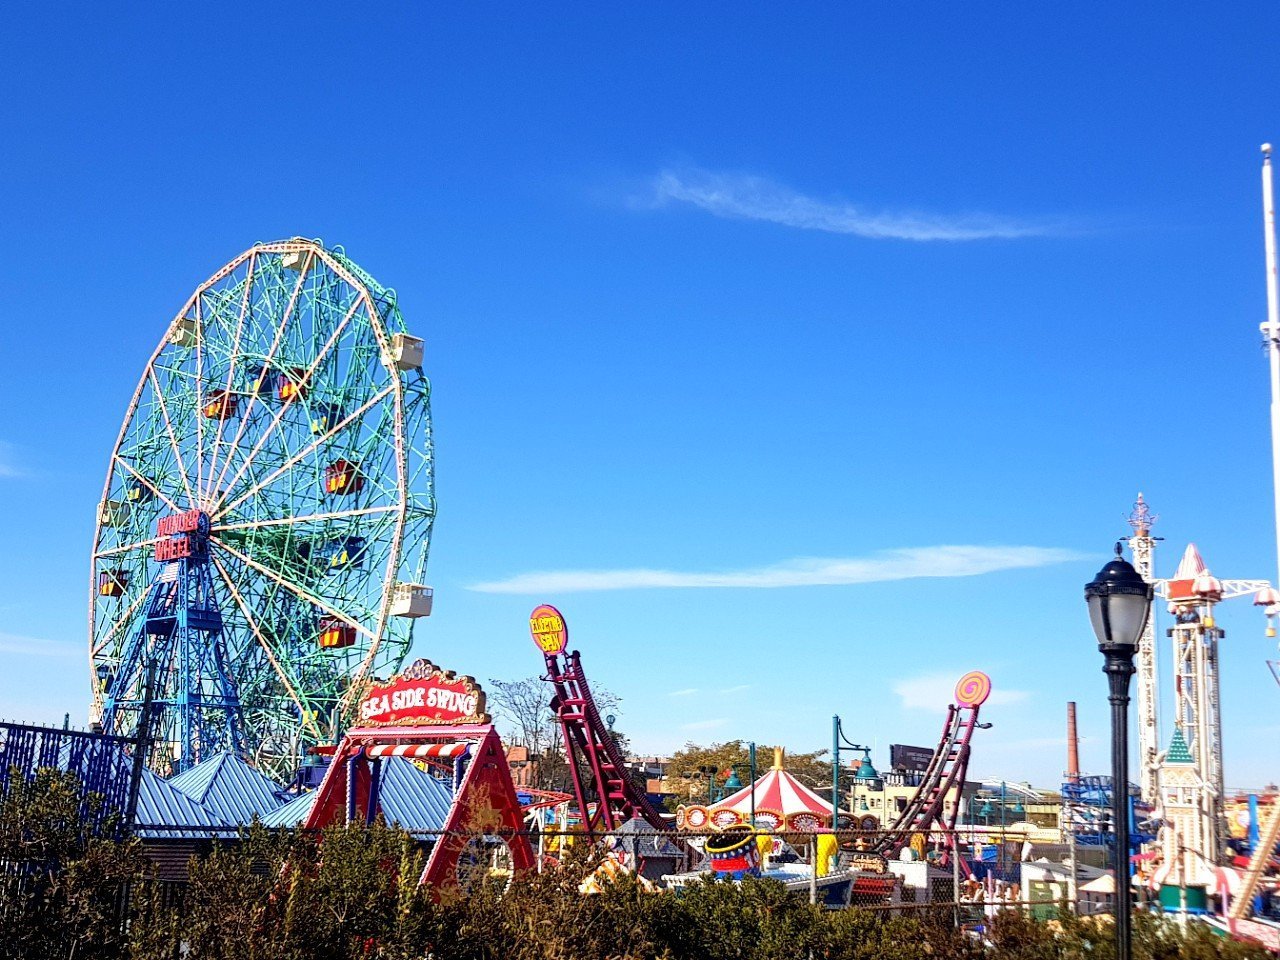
1193 592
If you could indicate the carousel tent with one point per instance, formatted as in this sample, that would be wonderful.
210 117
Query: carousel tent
780 800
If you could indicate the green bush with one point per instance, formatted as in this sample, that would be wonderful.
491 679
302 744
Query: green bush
64 875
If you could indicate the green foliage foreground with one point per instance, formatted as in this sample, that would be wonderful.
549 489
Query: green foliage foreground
354 894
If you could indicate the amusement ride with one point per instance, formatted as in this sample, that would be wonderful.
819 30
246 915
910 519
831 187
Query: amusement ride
264 525
259 565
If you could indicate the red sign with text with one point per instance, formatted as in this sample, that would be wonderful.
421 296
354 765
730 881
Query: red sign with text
423 695
185 522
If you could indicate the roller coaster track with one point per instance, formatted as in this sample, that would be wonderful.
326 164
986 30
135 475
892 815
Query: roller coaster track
595 762
1260 861
927 809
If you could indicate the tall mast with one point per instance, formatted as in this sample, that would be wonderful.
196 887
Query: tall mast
1271 334
1271 330
1143 547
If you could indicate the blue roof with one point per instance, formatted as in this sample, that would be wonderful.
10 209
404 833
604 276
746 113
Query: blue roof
292 813
230 788
411 798
163 805
160 804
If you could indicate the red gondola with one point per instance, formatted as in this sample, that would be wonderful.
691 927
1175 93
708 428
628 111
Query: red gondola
342 477
291 384
334 634
220 405
112 583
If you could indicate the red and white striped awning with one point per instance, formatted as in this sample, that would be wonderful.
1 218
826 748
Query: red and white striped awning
776 791
419 751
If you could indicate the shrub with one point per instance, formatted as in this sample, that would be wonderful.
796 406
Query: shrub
73 891
64 875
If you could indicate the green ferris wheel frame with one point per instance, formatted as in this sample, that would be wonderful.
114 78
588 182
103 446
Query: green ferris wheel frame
288 404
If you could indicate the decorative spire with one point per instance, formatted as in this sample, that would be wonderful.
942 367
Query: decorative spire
1142 519
1178 751
1191 565
777 758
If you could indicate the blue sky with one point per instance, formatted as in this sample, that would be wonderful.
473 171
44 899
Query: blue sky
754 300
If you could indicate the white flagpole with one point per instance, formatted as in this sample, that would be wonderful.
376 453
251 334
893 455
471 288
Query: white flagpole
1271 329
1271 332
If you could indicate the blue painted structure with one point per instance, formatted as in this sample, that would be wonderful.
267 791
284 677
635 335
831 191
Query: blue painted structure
1087 806
166 813
99 761
194 700
104 765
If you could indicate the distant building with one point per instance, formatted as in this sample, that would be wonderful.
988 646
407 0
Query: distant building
877 800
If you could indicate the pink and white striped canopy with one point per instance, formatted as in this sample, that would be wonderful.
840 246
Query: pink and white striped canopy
779 791
440 751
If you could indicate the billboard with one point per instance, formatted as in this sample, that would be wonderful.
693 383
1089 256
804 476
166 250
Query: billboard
903 757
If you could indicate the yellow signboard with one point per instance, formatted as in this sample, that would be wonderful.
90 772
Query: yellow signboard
550 634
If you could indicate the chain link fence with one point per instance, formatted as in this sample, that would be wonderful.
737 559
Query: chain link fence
864 869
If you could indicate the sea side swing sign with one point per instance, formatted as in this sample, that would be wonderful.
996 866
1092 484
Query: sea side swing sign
423 695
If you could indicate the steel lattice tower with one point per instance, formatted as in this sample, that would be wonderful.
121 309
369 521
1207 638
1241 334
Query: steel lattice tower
1143 548
1191 777
181 638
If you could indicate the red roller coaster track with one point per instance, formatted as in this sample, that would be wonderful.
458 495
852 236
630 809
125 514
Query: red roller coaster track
592 754
928 808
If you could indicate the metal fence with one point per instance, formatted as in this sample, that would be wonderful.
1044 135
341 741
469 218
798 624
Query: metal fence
101 763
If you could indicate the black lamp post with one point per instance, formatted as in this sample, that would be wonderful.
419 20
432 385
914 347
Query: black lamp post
1119 604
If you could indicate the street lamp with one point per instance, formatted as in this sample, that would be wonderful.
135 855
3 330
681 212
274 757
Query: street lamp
710 771
1119 603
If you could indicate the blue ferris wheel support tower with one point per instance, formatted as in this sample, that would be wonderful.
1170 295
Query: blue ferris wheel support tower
179 650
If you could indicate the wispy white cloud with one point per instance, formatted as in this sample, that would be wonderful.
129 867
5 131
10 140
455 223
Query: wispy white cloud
739 196
705 724
12 643
687 692
740 688
9 462
905 564
935 690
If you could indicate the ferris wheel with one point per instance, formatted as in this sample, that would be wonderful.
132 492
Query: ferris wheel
263 532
